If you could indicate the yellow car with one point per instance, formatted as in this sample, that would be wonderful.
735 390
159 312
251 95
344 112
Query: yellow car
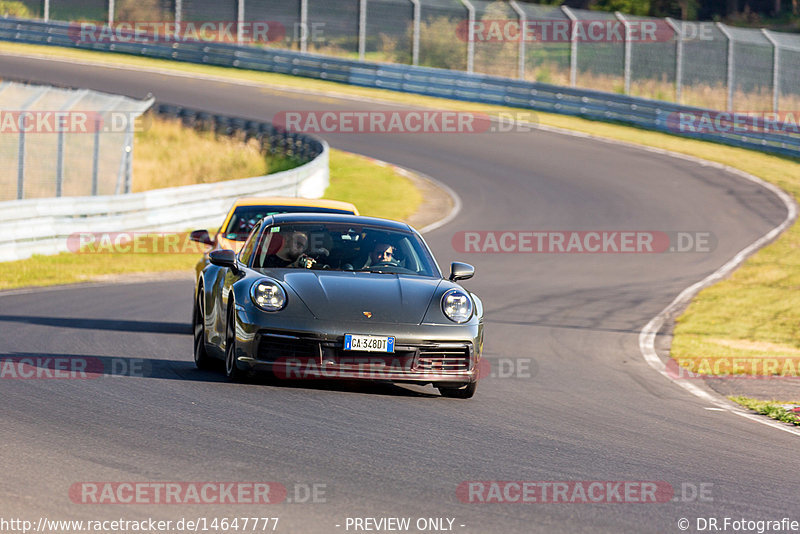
246 212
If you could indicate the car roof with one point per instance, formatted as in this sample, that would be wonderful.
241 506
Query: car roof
293 201
286 218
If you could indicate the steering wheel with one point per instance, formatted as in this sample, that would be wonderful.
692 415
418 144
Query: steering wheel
391 267
385 264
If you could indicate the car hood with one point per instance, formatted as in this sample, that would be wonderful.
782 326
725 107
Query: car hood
346 296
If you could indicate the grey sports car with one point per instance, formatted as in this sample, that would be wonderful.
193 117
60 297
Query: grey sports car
339 297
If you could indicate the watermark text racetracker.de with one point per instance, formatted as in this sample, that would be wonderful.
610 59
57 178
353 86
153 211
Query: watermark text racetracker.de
134 243
71 122
214 31
582 31
581 241
203 492
761 367
391 367
68 367
582 492
404 121
734 122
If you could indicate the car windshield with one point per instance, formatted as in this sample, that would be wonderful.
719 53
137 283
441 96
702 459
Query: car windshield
343 247
244 218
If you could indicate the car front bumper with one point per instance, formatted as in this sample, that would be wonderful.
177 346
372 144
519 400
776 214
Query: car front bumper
314 349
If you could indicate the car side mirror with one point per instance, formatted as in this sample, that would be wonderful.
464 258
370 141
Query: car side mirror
225 258
201 236
461 271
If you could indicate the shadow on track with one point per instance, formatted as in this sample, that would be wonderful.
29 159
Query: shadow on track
89 367
119 325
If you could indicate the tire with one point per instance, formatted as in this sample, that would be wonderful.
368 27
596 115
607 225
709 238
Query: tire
459 393
232 370
201 358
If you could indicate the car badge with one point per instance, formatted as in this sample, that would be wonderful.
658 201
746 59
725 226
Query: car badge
367 314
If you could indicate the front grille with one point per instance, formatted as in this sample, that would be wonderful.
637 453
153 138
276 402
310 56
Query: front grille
274 347
443 359
398 361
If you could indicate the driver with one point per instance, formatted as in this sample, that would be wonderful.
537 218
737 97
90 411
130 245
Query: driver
291 253
383 253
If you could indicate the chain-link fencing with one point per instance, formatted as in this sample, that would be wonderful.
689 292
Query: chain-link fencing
60 142
701 64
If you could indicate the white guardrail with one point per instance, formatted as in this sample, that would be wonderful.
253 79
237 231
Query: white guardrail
43 226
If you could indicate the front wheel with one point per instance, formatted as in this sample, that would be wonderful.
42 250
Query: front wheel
232 370
459 393
201 358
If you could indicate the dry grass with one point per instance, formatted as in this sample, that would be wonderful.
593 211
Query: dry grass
167 155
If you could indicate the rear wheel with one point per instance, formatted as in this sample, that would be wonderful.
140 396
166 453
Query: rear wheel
201 358
231 368
458 393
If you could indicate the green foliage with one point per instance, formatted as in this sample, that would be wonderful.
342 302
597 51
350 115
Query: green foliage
631 7
770 409
141 10
440 45
12 8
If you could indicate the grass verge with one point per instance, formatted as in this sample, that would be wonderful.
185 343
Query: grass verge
169 155
770 409
374 189
756 312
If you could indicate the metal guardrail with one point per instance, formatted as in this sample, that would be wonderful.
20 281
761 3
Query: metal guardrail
641 112
43 226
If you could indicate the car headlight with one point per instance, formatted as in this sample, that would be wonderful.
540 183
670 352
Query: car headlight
457 306
268 295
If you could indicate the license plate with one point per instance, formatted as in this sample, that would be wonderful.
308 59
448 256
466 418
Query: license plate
368 343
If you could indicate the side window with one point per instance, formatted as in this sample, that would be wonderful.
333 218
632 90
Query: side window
247 250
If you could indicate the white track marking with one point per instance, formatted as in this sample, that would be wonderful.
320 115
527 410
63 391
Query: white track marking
648 333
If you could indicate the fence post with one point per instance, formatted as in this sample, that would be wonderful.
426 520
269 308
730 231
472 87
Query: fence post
21 146
362 29
96 154
21 161
304 26
77 97
415 33
129 161
178 14
776 80
521 50
60 163
111 9
46 10
239 22
573 48
678 58
626 68
729 67
470 34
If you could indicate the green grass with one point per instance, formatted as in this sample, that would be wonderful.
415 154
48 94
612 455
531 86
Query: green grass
756 311
770 409
375 190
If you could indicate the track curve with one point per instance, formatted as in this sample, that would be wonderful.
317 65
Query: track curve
593 409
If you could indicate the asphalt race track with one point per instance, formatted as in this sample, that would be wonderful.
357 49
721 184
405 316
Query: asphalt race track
589 409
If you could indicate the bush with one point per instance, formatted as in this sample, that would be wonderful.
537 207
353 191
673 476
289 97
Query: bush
12 8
